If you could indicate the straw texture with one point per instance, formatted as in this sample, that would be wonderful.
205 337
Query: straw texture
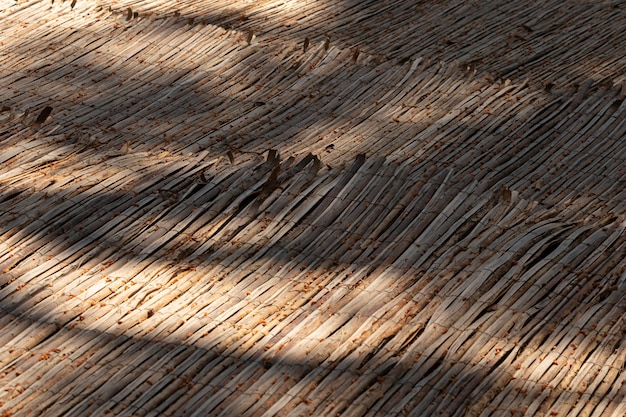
312 208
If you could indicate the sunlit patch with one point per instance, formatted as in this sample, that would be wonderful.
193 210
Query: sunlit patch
201 216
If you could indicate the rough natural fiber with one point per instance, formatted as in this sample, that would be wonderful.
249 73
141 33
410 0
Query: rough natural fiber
276 208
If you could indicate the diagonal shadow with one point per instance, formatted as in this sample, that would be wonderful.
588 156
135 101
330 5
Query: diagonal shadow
414 364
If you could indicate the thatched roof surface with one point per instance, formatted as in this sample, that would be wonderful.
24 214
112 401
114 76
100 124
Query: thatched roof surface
200 215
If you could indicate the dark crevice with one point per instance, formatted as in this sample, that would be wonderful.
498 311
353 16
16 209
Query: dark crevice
434 367
10 196
409 341
244 203
616 105
485 311
465 230
544 253
377 349
500 361
528 320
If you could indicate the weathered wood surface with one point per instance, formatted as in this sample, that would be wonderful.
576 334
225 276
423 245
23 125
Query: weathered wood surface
201 216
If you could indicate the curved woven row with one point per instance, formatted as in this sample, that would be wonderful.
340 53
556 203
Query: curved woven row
198 220
554 43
